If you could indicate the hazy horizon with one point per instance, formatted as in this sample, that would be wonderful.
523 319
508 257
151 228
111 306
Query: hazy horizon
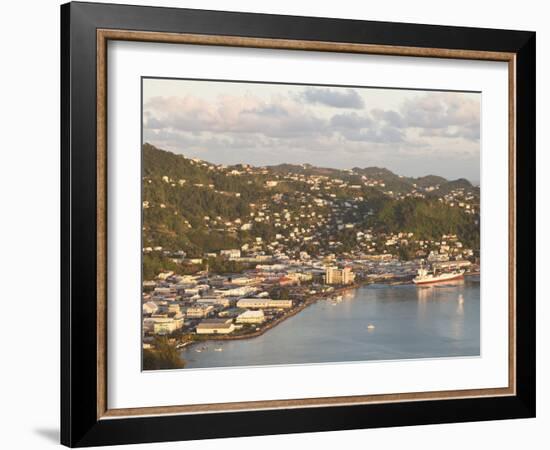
312 165
412 133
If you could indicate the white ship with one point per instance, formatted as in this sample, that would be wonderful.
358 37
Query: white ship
426 277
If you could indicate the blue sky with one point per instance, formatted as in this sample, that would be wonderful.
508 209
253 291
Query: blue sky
412 133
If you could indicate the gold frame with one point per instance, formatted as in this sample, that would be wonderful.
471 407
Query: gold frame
104 35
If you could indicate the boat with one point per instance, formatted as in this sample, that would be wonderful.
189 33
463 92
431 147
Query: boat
426 277
371 326
219 349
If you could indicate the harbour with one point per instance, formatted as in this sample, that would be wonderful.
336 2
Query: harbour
369 323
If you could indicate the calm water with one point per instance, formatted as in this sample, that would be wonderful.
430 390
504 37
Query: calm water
409 322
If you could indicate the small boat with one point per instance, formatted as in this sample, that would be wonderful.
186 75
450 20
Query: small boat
219 349
370 326
198 350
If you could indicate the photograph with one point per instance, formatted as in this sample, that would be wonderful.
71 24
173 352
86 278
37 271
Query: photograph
306 224
281 223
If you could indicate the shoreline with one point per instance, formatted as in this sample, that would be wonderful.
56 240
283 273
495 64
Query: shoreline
308 302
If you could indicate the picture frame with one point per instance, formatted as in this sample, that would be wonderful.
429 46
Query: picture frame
86 29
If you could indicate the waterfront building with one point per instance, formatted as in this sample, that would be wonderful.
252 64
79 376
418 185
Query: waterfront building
333 275
251 317
449 265
263 303
167 325
215 326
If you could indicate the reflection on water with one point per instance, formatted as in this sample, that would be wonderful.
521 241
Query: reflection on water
375 322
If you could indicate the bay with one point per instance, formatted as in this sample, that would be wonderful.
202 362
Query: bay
374 322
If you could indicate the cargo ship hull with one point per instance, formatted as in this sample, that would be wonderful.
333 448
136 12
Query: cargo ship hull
433 279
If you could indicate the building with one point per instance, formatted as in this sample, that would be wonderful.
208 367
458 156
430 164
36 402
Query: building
150 308
163 325
243 281
300 276
198 312
222 301
163 275
215 326
236 292
251 317
459 264
231 254
263 303
333 275
174 308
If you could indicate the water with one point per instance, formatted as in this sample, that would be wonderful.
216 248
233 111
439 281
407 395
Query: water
406 321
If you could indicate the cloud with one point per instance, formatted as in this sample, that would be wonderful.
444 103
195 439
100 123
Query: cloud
228 114
292 127
443 114
341 98
362 127
383 135
391 117
350 120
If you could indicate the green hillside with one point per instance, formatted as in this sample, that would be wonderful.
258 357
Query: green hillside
198 207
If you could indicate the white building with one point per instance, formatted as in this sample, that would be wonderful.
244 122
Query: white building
215 326
167 325
333 275
237 292
231 254
263 303
251 317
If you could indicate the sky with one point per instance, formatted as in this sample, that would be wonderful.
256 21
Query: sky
412 133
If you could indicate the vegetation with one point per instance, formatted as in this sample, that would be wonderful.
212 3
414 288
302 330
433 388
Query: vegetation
154 263
224 266
428 219
164 356
199 208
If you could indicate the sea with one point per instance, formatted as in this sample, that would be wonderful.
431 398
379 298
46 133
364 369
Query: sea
370 323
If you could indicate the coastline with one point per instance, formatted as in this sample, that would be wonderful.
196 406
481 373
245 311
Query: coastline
308 302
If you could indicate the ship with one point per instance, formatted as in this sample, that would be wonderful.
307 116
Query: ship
426 277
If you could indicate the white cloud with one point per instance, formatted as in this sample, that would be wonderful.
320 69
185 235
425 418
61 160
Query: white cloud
424 134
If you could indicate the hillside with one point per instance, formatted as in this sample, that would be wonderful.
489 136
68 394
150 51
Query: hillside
198 207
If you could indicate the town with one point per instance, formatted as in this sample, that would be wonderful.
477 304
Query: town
230 252
189 307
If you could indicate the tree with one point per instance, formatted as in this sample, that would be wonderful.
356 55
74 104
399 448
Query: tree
164 356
